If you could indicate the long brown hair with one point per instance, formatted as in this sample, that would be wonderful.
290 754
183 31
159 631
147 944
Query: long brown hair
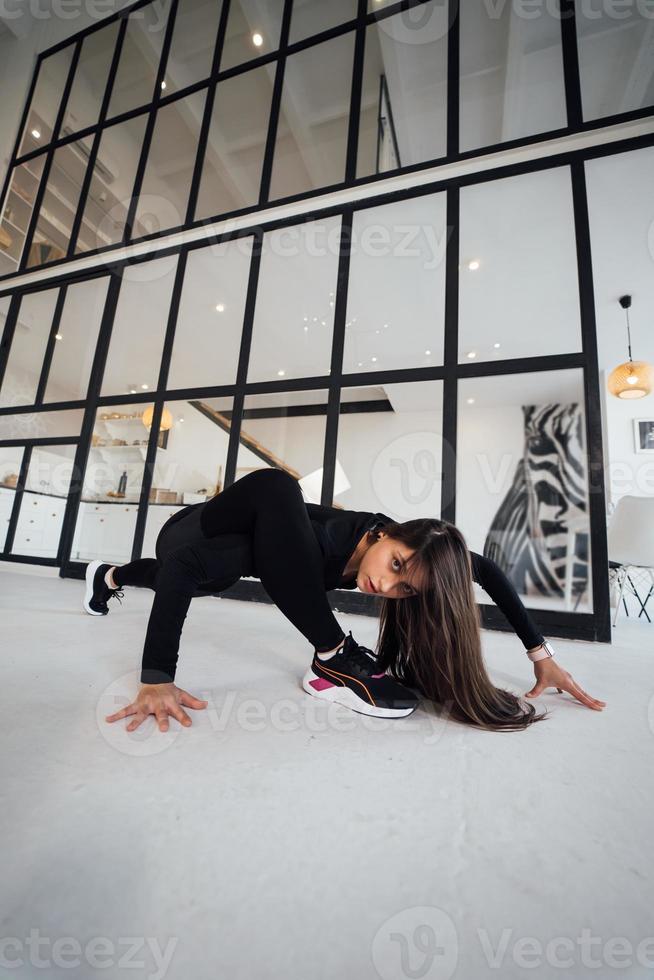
432 640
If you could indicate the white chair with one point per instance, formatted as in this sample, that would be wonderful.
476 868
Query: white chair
631 547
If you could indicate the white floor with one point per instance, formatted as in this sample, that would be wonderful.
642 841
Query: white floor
279 839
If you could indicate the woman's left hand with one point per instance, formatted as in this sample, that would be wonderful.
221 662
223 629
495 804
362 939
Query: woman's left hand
550 674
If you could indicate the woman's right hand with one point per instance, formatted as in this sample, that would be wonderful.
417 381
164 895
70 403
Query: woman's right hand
159 700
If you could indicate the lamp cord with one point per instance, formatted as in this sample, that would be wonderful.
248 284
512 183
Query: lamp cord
628 335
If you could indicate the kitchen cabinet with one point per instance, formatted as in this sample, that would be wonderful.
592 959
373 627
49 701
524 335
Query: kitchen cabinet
39 526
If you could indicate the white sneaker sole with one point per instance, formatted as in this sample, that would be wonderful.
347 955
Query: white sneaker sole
347 697
88 595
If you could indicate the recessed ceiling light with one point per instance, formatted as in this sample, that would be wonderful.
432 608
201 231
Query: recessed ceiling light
305 318
376 331
220 308
305 327
496 346
474 265
180 419
385 326
257 40
470 401
360 364
427 352
281 373
36 133
132 391
472 353
59 336
145 387
373 358
163 86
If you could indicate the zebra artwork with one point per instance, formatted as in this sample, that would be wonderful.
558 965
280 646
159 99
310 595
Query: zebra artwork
528 537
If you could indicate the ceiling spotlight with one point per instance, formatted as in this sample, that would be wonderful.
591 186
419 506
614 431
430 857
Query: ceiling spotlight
281 373
36 133
496 346
163 86
145 387
257 40
427 352
385 326
59 336
180 419
373 358
305 327
474 265
132 391
472 353
470 401
220 308
360 364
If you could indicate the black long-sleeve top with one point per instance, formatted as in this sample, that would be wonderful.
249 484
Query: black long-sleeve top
339 531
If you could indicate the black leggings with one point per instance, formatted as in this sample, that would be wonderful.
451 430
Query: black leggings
258 526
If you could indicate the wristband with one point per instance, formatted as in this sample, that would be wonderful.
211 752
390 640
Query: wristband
545 650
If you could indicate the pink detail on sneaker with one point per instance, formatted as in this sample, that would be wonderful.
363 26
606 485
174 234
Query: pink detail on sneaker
383 674
320 684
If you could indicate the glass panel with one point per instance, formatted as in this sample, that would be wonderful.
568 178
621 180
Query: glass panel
41 515
615 57
285 430
522 482
139 327
194 39
622 248
164 195
28 348
313 16
404 97
111 186
231 174
17 212
40 425
11 460
60 201
192 465
87 93
252 30
311 142
396 294
210 318
112 485
293 321
139 58
389 450
518 288
76 340
44 106
511 74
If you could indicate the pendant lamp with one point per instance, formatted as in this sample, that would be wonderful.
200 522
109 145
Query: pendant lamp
633 379
166 418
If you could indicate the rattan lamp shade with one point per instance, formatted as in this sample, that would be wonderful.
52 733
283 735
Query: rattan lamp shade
635 379
166 418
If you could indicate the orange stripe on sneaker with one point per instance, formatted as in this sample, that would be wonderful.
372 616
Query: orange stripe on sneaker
335 673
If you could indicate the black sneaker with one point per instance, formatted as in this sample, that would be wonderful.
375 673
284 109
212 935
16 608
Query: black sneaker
98 593
352 678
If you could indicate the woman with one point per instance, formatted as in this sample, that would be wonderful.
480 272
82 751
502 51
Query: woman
430 629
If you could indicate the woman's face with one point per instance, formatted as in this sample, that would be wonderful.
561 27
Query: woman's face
382 570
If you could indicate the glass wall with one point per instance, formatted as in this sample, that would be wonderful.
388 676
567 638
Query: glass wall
349 364
511 79
518 284
511 89
389 451
615 57
191 467
293 320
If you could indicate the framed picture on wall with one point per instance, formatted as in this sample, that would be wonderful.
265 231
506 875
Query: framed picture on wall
644 435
